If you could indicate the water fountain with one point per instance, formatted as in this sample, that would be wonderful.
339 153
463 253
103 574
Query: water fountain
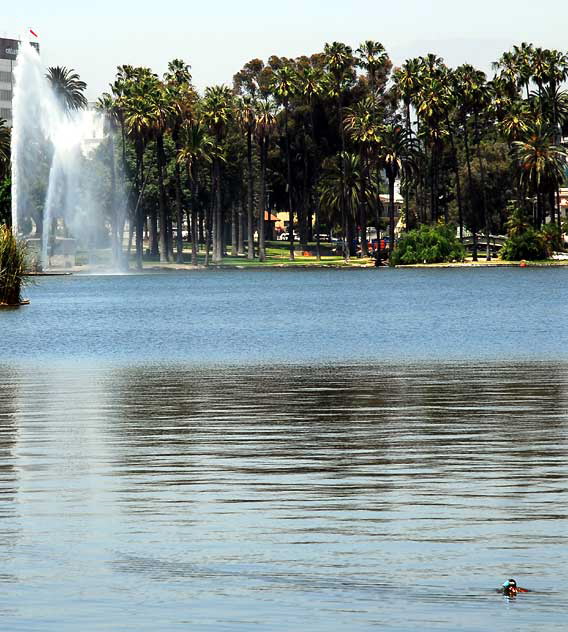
59 188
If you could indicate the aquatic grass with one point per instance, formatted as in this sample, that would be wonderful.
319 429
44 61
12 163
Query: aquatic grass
14 266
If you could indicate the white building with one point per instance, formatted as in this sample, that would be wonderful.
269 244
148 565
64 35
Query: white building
8 53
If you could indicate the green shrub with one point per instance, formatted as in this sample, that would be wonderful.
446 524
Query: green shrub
552 235
14 266
428 244
531 245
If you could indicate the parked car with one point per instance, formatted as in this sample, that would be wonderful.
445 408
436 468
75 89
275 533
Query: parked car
322 237
285 237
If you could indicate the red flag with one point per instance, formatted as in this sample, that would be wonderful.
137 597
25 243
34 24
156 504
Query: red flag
34 33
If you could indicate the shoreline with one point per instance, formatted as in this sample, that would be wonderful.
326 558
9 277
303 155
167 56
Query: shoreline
356 264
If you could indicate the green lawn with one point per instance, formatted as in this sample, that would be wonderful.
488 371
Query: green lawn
277 255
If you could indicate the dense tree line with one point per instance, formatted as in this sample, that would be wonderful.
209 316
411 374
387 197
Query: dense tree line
321 136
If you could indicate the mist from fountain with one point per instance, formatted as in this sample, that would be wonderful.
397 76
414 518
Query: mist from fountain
58 174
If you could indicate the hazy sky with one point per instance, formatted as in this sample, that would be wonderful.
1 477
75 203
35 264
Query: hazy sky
218 37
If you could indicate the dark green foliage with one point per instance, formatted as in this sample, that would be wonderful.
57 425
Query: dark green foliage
530 245
428 244
6 201
552 236
14 265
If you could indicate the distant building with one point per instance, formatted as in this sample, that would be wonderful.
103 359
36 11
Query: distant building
564 203
8 53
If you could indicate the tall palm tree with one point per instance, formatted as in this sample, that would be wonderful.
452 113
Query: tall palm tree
406 88
284 86
107 106
373 58
67 87
138 121
161 112
516 121
339 62
362 126
542 165
465 84
197 150
246 116
340 189
311 86
265 125
398 153
433 105
217 110
4 147
182 97
524 56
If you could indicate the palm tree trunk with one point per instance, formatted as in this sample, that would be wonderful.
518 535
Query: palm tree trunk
209 219
346 244
193 221
407 187
241 234
162 199
179 209
262 201
115 246
305 218
363 208
234 230
315 197
289 184
470 183
138 212
250 193
458 181
194 224
391 215
483 189
218 246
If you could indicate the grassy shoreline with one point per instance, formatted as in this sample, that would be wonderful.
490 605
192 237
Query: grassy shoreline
278 256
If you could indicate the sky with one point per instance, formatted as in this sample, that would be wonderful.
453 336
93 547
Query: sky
218 38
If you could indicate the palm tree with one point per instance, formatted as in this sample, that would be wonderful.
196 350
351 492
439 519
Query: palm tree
67 87
284 86
138 121
339 62
197 149
542 165
4 147
107 106
182 97
312 85
246 116
516 121
372 57
406 88
265 125
161 113
398 153
466 82
217 111
361 124
340 189
433 106
524 57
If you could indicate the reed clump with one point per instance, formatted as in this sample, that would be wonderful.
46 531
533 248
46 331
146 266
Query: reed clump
14 266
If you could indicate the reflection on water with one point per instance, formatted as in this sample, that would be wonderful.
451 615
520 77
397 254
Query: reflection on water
365 498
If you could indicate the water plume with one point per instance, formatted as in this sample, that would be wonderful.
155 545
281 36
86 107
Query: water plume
60 184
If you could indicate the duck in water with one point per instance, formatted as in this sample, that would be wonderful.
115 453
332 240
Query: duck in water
510 588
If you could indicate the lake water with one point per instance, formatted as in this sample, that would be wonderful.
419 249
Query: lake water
285 450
